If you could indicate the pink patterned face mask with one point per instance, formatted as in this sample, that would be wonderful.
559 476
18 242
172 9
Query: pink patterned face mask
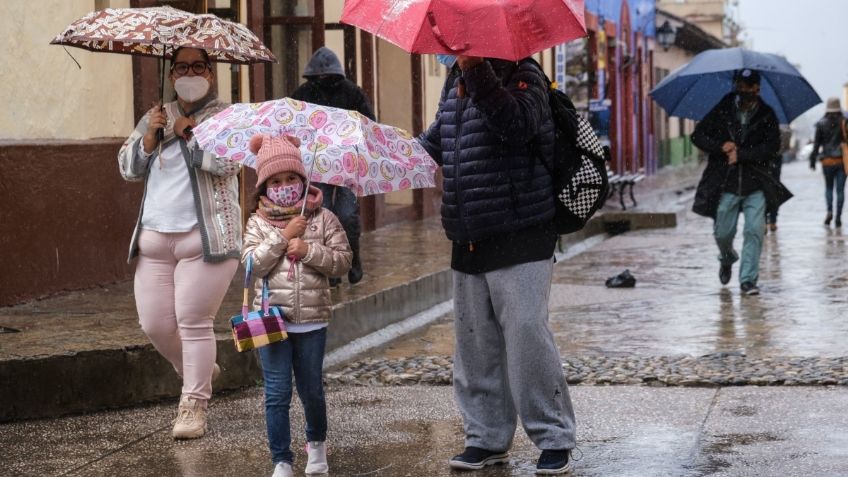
286 195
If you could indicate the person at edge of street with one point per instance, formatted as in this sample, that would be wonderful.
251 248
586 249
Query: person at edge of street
828 148
327 85
188 234
497 210
742 137
297 254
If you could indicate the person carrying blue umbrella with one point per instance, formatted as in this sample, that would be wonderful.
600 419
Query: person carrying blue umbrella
742 137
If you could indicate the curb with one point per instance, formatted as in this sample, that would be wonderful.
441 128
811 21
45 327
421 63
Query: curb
52 386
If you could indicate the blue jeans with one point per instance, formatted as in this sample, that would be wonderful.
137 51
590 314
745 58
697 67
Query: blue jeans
834 176
753 206
303 353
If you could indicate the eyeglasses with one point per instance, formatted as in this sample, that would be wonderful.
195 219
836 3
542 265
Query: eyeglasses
198 67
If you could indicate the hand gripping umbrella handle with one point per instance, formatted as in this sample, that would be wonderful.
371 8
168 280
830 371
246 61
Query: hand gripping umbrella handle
309 176
292 259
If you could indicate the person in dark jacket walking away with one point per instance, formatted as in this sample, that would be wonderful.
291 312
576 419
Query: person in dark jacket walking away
326 85
742 137
497 210
828 148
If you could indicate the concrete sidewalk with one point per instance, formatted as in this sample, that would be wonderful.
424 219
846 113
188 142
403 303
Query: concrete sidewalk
83 351
412 431
678 422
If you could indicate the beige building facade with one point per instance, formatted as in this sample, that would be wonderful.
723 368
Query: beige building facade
64 208
47 95
712 16
673 134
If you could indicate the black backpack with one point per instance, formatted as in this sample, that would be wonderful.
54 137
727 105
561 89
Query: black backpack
579 169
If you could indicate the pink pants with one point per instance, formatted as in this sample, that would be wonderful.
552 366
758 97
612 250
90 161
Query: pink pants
177 295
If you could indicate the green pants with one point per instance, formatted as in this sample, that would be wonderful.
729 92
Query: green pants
753 206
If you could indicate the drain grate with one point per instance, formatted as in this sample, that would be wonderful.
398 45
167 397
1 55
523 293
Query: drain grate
6 329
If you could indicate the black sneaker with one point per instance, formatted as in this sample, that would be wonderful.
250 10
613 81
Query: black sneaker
749 289
475 458
623 280
838 222
554 462
354 276
724 273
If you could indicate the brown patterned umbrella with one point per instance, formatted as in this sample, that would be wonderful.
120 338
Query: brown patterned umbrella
158 31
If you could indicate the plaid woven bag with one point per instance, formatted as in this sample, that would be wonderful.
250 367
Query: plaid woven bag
255 329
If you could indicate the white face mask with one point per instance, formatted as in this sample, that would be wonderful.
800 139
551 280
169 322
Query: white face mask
191 88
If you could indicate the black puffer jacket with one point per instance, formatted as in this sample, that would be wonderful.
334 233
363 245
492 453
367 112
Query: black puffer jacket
757 146
485 143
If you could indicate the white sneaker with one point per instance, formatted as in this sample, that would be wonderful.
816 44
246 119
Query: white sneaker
283 469
316 458
191 419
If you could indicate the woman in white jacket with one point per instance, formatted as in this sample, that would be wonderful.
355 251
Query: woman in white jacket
188 235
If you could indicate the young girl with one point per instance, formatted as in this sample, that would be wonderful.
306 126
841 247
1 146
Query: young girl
298 254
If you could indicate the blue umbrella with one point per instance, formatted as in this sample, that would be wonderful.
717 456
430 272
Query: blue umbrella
695 88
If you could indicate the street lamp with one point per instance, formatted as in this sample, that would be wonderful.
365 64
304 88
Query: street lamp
666 35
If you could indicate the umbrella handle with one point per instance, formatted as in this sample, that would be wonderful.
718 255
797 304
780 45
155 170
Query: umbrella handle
309 176
160 133
437 33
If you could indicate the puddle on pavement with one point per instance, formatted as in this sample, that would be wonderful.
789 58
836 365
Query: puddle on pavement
728 444
744 411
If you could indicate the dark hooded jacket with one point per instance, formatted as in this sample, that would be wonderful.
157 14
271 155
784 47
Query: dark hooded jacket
327 86
498 201
828 139
758 145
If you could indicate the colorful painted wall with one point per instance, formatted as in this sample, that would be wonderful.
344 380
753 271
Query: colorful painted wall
621 47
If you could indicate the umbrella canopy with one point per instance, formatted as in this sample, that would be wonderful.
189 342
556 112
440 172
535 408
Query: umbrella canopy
347 148
507 29
158 31
694 89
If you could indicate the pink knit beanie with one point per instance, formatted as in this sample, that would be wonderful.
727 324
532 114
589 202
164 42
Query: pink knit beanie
276 154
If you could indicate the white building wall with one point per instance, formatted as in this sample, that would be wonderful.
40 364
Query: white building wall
45 95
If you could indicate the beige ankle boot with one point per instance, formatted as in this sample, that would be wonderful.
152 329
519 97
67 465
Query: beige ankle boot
191 419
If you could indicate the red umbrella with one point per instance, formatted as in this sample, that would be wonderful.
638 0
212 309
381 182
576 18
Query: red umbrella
507 29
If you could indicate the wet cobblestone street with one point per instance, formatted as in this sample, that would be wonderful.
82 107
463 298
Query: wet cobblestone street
678 376
679 325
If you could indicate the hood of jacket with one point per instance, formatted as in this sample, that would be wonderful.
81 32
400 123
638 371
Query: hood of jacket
323 62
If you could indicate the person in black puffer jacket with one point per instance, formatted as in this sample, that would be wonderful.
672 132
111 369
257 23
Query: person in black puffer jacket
498 210
326 85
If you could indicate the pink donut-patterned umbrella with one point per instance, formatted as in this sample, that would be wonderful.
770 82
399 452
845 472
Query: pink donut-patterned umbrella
339 147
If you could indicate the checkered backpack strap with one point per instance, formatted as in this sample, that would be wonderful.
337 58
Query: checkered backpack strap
587 140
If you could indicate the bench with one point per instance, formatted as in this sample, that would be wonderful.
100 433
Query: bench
620 182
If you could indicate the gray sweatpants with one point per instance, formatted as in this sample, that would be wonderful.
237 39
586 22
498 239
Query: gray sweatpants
506 360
